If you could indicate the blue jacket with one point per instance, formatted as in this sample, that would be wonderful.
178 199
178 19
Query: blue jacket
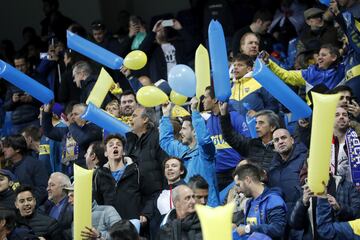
30 171
197 160
271 214
226 157
285 175
328 229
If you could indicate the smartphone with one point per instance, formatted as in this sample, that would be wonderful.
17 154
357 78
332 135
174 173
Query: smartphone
167 23
44 55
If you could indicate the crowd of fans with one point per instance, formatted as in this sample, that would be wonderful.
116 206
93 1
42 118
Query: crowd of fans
146 183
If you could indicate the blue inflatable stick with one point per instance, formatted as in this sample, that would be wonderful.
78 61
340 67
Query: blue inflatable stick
325 2
280 91
25 83
219 61
93 51
105 120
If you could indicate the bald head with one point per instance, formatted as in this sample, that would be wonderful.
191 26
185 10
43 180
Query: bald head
184 201
283 142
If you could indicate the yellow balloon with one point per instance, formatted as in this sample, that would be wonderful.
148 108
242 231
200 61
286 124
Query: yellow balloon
150 96
100 89
321 137
178 111
177 98
82 200
216 223
135 60
202 70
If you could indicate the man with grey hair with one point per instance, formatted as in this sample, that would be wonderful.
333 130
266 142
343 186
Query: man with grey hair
57 205
85 80
143 146
182 215
260 149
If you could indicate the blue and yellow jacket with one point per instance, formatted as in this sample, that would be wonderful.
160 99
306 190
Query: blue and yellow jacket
311 76
328 229
248 90
226 157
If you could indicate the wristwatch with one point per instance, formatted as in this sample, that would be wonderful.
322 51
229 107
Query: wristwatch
247 229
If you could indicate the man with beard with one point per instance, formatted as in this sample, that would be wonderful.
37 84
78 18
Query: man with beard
127 106
265 212
184 216
344 148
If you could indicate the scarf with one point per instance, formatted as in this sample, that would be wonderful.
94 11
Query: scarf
353 150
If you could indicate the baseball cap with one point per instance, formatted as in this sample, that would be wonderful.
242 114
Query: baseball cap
313 12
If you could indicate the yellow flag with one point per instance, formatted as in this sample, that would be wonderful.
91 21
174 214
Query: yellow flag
178 111
82 200
216 222
321 138
202 70
101 88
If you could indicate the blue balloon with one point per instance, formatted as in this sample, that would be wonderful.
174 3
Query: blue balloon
25 83
280 91
219 61
182 80
93 51
105 120
325 2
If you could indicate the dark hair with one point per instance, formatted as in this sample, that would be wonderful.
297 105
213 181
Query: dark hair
244 58
20 55
97 25
9 217
341 88
98 149
263 14
17 142
24 188
128 92
117 136
78 29
211 91
182 166
123 230
53 3
198 182
187 118
33 132
248 170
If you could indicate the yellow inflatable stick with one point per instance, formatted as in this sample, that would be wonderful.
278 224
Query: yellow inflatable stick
216 222
101 88
177 98
151 96
202 70
355 225
178 111
135 60
83 200
321 137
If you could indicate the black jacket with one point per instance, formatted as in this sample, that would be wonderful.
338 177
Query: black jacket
184 46
30 171
103 187
7 199
185 229
250 148
65 219
127 194
41 225
149 156
286 175
82 135
21 112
